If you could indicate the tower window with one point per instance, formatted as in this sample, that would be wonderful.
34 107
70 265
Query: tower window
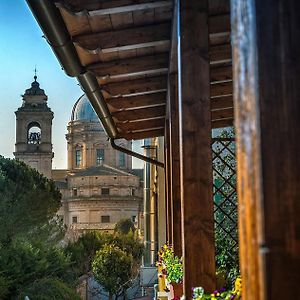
104 191
122 159
132 192
105 219
77 158
99 156
74 219
34 133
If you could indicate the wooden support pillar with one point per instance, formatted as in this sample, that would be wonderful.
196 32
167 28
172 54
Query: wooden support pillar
168 185
175 163
266 49
195 147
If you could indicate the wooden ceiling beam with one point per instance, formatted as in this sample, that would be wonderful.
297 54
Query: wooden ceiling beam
219 23
221 102
222 123
124 39
220 73
137 101
136 86
220 52
222 114
219 89
142 125
140 114
104 7
142 134
130 65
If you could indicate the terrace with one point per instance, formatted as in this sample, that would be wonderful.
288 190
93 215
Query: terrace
177 70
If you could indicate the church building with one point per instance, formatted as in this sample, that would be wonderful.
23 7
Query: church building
99 187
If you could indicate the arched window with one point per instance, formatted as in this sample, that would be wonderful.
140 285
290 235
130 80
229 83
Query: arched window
34 133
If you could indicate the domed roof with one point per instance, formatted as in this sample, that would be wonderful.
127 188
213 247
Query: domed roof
83 111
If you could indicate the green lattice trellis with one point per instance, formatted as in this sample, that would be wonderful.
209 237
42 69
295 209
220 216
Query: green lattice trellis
225 200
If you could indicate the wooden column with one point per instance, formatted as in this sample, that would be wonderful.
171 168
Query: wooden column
195 147
168 184
175 163
266 47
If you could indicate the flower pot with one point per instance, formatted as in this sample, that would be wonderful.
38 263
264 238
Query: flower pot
175 291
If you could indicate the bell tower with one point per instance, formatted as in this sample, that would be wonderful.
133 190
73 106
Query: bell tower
34 130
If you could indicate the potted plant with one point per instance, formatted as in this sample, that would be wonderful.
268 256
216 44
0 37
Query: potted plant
171 267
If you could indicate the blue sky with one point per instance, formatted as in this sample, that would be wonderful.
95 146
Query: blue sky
21 48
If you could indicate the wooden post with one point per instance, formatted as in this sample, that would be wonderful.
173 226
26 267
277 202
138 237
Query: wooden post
266 49
168 186
195 147
175 163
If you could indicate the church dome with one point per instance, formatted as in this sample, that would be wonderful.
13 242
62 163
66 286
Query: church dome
83 111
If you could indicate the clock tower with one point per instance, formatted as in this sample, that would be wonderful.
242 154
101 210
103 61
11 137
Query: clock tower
34 130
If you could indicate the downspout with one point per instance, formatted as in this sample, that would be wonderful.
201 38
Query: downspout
145 158
150 205
56 33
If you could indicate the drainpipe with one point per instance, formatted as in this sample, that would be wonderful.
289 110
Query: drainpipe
150 203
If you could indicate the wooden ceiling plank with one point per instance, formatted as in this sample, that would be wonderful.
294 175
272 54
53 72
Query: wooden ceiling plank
113 7
142 134
137 101
125 38
219 89
143 85
141 125
222 123
131 65
140 114
219 23
217 7
222 114
221 102
220 52
220 73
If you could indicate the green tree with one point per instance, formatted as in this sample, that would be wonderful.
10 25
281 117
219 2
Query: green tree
124 226
112 268
28 200
29 249
83 250
49 289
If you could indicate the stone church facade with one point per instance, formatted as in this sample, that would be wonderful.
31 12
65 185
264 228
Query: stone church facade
99 187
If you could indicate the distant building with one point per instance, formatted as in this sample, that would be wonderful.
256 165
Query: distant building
99 187
33 130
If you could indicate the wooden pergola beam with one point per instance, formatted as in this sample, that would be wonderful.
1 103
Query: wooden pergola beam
124 39
130 65
141 125
222 102
139 114
100 7
220 52
143 85
137 101
139 135
195 147
220 73
219 23
222 88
